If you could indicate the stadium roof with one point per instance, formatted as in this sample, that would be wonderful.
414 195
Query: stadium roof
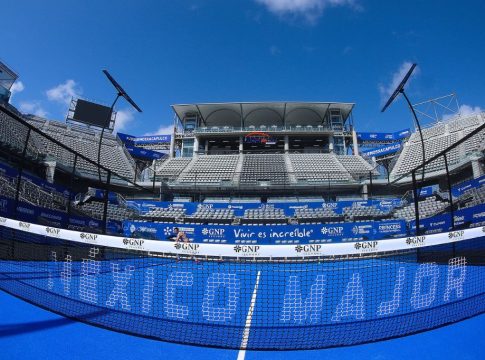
262 113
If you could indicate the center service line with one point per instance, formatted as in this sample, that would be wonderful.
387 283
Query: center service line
245 338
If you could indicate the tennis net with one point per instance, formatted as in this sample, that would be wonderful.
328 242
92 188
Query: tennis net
247 297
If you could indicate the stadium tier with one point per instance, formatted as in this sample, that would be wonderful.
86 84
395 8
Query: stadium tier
263 227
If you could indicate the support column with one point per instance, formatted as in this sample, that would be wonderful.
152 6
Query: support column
206 151
241 144
355 143
50 170
287 144
330 143
364 192
172 145
196 146
476 168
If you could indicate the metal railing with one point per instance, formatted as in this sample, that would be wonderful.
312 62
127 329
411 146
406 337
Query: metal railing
34 148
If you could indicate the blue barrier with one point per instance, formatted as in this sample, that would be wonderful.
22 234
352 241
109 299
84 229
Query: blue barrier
239 208
266 234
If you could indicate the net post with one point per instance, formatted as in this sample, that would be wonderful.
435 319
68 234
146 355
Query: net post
154 174
370 185
106 198
20 171
416 201
452 211
73 171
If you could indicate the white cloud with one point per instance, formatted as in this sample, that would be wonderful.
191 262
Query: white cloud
309 10
123 118
32 107
63 93
162 130
464 110
17 87
468 110
387 90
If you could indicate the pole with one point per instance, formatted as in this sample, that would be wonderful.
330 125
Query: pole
419 129
20 170
102 133
416 200
106 199
452 211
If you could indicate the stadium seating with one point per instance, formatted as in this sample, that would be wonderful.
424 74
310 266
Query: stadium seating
171 169
364 213
264 168
320 213
164 213
32 194
95 209
356 166
319 168
436 139
85 142
427 207
207 169
212 215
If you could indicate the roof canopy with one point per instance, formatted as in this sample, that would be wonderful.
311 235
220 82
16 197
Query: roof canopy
263 113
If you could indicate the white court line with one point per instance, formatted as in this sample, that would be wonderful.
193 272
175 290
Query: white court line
245 338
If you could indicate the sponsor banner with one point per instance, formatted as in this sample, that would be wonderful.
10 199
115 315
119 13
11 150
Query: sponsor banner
441 223
145 153
264 234
428 190
383 150
467 185
6 206
85 222
155 139
6 170
239 208
247 250
131 140
376 136
98 194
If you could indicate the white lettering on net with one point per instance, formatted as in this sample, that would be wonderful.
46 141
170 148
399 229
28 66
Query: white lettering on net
293 301
121 280
88 283
352 303
50 266
225 313
147 291
389 307
177 279
66 274
432 272
455 283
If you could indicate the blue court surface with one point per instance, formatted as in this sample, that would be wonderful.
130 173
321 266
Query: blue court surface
28 332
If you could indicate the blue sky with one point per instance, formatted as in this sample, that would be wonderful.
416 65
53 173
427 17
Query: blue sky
165 52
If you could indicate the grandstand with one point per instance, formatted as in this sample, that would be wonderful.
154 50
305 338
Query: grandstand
300 240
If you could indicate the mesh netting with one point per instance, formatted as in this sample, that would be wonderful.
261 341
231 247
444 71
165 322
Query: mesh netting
239 303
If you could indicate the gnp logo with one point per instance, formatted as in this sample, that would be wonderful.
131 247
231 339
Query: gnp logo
305 250
133 243
88 237
416 241
333 230
456 235
52 232
24 225
247 250
366 246
214 233
187 248
259 137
